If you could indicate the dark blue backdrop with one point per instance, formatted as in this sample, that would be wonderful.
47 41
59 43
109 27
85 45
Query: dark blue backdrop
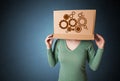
24 24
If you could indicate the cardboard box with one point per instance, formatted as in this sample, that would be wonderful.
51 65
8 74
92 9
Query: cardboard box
74 24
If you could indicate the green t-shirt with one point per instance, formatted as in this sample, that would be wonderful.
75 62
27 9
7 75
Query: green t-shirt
73 62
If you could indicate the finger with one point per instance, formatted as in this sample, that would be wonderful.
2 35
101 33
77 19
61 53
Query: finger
51 35
48 39
100 37
96 37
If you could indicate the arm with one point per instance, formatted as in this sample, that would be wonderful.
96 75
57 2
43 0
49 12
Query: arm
51 54
94 58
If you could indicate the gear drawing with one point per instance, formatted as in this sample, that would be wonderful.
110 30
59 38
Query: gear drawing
72 24
78 29
66 16
63 21
82 21
72 20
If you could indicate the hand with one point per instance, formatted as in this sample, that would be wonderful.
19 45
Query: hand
99 41
48 41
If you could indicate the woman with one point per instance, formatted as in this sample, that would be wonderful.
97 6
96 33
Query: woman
72 55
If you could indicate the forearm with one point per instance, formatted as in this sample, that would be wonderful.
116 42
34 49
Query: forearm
51 58
95 62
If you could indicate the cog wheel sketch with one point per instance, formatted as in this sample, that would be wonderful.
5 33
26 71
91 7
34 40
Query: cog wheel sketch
85 27
71 24
78 29
63 21
82 21
69 29
66 16
72 20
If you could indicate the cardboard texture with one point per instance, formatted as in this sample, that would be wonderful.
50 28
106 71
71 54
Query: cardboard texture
74 24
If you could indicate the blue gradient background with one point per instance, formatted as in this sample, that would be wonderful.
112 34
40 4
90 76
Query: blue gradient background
25 24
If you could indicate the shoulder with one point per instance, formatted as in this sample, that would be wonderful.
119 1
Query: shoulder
59 41
87 42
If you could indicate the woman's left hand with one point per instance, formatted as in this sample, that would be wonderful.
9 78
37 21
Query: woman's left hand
99 41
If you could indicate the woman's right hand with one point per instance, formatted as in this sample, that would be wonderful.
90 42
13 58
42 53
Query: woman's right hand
48 41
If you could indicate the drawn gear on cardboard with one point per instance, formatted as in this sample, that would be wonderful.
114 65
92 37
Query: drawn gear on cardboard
72 24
